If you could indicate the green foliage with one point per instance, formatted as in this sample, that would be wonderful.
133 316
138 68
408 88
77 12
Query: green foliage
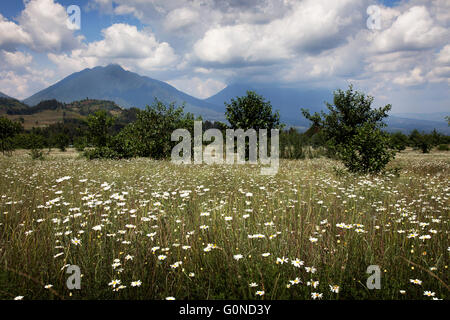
352 130
291 144
36 154
399 141
150 134
8 129
423 142
367 151
80 143
98 128
62 141
251 111
101 153
443 147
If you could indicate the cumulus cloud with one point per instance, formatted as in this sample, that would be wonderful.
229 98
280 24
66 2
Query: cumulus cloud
12 35
412 30
42 26
123 44
298 31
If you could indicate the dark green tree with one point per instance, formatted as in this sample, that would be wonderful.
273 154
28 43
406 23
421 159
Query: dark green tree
8 129
399 141
251 111
99 125
352 130
150 134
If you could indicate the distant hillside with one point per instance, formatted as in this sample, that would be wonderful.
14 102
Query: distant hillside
2 95
289 101
125 88
10 105
51 112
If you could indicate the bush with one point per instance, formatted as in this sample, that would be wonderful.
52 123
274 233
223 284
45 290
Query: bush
101 153
352 131
37 154
367 151
443 147
150 134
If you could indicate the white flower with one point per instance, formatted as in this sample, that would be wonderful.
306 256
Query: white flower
114 283
416 281
136 283
282 260
312 239
238 256
259 293
297 263
18 298
76 241
170 298
316 295
334 288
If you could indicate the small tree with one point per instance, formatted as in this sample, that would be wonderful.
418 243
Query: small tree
8 129
352 130
251 111
62 141
150 134
99 124
399 141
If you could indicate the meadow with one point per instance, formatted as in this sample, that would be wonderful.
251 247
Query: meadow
146 229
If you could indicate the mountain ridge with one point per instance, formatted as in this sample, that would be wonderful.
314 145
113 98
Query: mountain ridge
129 89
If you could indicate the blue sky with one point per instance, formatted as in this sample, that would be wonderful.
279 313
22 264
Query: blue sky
200 46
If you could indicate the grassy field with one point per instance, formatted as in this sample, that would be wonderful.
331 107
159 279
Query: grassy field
144 229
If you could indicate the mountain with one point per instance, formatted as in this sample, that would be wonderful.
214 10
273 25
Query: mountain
2 95
128 89
288 101
436 116
406 125
125 88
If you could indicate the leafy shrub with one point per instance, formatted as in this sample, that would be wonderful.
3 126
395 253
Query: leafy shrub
101 153
352 131
443 147
36 154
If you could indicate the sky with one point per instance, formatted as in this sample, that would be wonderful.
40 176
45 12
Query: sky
396 51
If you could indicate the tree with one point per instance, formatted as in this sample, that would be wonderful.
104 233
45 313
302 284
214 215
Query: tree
399 141
352 130
98 127
150 134
62 140
8 129
251 111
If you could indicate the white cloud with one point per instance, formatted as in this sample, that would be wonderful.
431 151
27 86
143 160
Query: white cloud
21 85
42 26
197 87
180 18
300 30
13 60
12 35
414 29
123 44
